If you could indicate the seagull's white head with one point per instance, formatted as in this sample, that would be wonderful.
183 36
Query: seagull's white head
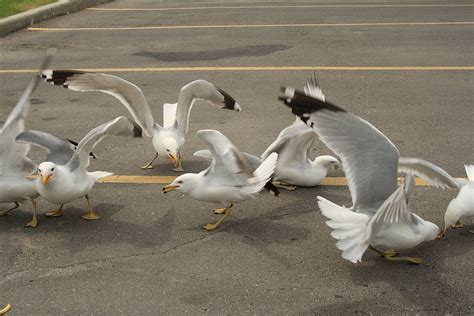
47 171
432 231
184 183
451 217
327 162
172 149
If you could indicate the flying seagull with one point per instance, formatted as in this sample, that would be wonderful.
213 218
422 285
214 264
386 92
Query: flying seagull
379 217
14 165
64 178
229 179
167 139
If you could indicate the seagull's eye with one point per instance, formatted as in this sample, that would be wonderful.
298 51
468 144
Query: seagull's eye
180 182
167 150
52 169
39 170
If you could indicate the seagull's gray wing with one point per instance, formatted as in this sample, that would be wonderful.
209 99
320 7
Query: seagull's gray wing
288 134
60 151
129 94
229 166
120 126
369 158
200 90
13 160
433 174
394 210
206 153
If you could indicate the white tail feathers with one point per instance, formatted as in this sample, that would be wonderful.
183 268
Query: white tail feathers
169 114
470 172
262 174
350 229
97 175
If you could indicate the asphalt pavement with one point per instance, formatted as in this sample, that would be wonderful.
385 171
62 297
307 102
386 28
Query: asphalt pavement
274 256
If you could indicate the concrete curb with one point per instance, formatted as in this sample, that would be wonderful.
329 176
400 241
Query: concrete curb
18 21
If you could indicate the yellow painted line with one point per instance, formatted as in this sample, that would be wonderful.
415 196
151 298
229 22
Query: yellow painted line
138 179
331 181
233 26
264 68
285 7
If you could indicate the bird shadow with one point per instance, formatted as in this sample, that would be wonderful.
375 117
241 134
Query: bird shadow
262 231
421 286
78 234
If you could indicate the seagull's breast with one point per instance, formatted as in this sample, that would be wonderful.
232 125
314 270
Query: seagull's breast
66 187
399 236
465 200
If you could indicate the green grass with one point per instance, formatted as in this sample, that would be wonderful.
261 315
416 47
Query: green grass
11 7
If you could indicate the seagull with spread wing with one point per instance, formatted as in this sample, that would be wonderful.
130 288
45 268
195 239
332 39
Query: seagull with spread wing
462 205
14 165
167 139
230 178
64 178
379 218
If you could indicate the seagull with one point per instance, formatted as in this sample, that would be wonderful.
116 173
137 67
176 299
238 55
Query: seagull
379 218
293 145
167 139
14 165
294 168
229 179
462 205
64 178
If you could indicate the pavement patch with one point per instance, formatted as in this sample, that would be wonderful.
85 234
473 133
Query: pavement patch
212 54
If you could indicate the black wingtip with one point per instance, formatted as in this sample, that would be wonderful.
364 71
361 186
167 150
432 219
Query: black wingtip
74 143
59 77
272 188
137 130
229 101
301 104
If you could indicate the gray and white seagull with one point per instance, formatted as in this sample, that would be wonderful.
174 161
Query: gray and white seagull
167 139
63 177
14 163
379 217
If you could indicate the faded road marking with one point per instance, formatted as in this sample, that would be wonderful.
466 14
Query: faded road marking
233 26
331 181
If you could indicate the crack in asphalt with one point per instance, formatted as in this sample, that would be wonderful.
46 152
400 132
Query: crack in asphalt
12 275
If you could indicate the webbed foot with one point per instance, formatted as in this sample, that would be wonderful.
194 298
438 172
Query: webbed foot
150 164
91 216
457 225
282 185
55 213
178 169
211 226
5 309
412 260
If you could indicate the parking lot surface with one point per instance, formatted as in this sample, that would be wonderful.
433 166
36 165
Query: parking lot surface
406 67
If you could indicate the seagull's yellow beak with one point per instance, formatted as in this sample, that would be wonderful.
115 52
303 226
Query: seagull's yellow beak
175 159
170 188
45 179
442 233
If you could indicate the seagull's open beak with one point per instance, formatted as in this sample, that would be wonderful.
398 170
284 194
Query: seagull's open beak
175 159
170 188
442 233
45 179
